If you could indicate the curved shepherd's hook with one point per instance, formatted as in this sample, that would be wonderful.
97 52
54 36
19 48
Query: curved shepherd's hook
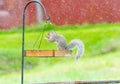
23 29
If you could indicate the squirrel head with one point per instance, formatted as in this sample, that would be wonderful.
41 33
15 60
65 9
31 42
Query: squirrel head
51 36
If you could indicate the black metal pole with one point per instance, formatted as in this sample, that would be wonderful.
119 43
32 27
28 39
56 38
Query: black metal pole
23 34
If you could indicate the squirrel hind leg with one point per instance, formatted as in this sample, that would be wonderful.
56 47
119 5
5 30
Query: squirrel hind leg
68 54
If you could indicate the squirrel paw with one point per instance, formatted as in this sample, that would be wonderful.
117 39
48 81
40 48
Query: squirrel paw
68 54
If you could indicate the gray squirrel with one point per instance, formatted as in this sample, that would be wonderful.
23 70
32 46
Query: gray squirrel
61 43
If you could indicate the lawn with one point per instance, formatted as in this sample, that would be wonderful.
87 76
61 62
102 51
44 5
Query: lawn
100 61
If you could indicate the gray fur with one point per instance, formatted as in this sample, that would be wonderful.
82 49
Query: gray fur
76 44
61 43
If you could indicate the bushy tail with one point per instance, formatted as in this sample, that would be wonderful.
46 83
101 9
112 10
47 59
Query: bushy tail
80 48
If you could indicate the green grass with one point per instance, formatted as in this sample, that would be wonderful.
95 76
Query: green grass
100 61
92 68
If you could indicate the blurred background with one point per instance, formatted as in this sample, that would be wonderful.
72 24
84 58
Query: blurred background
61 12
95 22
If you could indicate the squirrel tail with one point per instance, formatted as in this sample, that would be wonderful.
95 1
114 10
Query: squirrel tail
80 48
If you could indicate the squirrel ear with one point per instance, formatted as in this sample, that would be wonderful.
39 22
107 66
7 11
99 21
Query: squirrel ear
53 32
